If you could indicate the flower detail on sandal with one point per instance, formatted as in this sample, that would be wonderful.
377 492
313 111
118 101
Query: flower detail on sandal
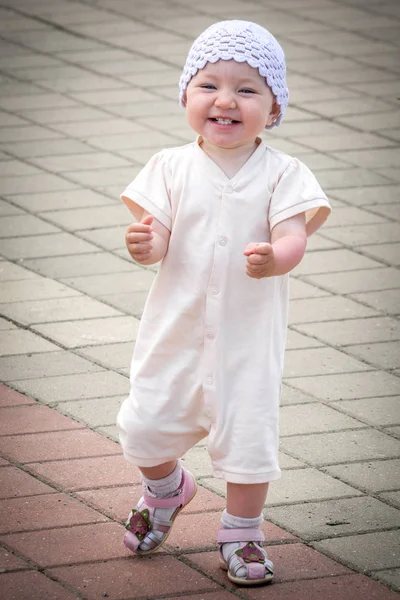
150 522
138 523
251 553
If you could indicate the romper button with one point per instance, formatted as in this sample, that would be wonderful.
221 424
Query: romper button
222 241
209 380
210 336
214 290
229 189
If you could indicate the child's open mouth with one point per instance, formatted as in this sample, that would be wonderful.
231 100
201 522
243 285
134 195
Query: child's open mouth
224 121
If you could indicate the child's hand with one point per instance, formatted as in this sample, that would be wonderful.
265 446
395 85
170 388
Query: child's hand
260 260
139 239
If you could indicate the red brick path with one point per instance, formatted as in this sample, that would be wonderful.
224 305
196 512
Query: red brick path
65 490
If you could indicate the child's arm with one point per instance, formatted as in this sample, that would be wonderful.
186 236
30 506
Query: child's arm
288 244
147 241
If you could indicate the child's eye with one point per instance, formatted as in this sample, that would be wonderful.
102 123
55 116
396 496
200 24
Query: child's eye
208 86
246 91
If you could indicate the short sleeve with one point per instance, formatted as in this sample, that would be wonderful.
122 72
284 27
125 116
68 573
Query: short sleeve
298 191
151 190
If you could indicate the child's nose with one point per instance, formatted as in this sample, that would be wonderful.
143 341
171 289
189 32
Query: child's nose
225 99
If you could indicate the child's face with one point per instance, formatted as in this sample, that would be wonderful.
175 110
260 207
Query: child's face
229 104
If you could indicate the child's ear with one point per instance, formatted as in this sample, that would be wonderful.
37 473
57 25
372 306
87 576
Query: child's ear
184 98
274 114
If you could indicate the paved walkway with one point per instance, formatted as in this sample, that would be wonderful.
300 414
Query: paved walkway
88 94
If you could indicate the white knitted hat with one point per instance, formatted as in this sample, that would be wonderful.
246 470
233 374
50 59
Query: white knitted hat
242 41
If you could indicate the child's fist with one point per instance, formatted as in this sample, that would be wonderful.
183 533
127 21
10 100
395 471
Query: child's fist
260 260
139 239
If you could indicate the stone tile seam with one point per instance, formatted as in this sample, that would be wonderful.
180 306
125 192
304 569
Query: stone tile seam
343 561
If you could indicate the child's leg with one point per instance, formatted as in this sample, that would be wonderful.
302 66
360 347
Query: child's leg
166 490
246 560
246 500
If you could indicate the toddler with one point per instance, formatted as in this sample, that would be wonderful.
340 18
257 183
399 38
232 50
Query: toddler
228 217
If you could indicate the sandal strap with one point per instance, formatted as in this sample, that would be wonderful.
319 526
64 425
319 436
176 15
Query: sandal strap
240 535
173 502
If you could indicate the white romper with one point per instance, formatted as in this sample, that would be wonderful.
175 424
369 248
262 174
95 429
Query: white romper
208 358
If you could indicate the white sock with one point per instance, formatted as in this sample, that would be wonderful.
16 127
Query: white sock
229 548
165 487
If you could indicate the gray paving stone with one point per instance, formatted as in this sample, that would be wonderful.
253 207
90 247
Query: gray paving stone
364 552
348 386
111 431
365 234
104 98
111 238
312 310
21 341
73 114
330 518
91 332
37 246
345 178
111 356
341 447
386 301
36 183
131 304
393 498
99 412
123 141
352 331
351 215
306 485
291 395
79 265
319 361
119 283
4 324
22 102
64 200
300 289
375 411
27 133
87 218
296 341
385 355
389 576
313 418
102 126
12 168
7 209
365 196
349 141
372 476
77 162
357 281
97 179
52 390
24 225
198 461
59 309
47 148
39 288
333 261
11 272
45 364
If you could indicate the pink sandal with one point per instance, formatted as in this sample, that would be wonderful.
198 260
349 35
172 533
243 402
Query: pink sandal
143 520
249 554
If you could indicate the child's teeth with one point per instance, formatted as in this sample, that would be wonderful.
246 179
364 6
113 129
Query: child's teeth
224 121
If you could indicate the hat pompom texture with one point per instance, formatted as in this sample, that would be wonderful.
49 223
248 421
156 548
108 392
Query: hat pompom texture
242 41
